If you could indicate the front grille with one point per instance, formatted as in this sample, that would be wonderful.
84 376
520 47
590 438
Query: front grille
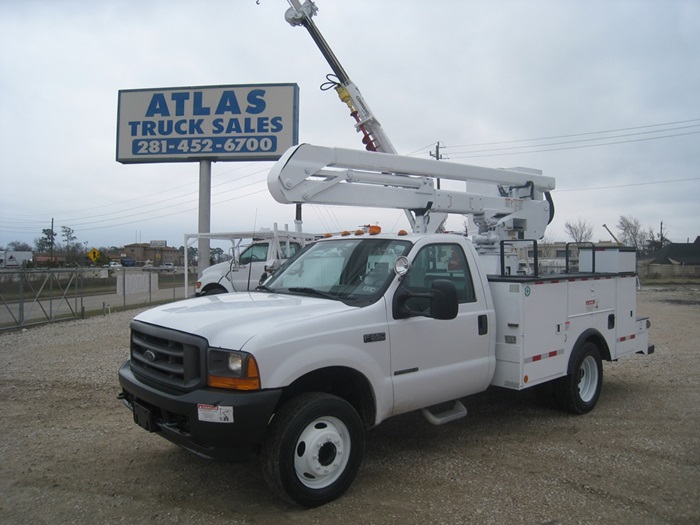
167 357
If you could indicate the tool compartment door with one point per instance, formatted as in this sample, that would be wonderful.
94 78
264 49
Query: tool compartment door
531 331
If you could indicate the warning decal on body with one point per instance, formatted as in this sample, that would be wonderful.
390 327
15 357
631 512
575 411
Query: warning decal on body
214 413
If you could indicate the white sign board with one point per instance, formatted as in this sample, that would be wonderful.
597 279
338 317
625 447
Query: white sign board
242 122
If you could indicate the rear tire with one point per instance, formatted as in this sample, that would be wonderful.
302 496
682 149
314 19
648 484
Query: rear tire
313 449
579 391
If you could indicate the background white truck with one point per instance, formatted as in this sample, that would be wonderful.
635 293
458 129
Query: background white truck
358 328
254 254
11 259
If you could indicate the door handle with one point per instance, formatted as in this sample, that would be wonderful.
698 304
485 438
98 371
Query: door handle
483 321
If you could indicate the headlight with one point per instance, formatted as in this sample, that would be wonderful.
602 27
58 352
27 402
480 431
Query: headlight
231 369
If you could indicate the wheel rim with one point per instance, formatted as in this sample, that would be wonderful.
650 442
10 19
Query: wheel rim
322 452
588 379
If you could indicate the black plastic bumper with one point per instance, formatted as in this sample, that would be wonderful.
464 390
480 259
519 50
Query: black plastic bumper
177 417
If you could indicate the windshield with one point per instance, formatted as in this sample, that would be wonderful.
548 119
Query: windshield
354 270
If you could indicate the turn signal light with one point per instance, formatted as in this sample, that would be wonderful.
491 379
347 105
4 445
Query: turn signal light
248 383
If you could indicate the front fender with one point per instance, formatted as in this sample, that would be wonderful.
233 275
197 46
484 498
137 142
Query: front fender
354 338
333 356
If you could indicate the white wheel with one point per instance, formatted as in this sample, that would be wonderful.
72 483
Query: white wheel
588 379
313 449
322 452
579 391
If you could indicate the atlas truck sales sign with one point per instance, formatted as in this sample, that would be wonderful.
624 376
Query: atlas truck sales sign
242 122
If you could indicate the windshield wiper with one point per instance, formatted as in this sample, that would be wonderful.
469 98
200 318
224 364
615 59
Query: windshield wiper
314 291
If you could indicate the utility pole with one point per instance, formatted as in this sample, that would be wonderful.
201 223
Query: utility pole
437 156
51 245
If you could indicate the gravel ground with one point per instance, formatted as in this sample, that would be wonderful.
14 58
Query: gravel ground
70 453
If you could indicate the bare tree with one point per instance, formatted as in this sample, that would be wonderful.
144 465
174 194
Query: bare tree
19 246
632 233
545 246
656 242
579 231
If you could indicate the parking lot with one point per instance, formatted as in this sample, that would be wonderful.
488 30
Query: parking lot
70 452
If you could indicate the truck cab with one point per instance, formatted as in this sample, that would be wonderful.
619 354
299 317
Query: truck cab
244 272
366 326
253 256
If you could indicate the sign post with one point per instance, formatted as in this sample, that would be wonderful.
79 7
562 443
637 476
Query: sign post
204 215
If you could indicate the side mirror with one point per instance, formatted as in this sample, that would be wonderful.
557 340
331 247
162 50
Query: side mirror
444 303
441 302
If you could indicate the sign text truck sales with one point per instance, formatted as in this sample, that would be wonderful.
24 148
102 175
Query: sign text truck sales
243 122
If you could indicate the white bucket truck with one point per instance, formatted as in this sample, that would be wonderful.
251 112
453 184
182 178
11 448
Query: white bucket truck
358 328
254 255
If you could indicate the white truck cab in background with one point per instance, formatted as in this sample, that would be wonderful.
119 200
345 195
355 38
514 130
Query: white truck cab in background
253 255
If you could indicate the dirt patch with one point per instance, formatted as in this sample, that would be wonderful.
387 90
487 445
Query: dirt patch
70 452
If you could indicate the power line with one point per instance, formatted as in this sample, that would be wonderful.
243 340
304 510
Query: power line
139 221
576 147
586 140
31 225
574 134
628 185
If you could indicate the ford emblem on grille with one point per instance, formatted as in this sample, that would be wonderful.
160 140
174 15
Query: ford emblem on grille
149 355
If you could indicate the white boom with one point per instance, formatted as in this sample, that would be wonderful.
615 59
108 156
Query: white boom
337 176
373 136
311 174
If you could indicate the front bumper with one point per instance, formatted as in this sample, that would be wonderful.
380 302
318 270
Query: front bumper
179 417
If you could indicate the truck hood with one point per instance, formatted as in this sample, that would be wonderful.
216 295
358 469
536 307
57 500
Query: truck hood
231 320
221 267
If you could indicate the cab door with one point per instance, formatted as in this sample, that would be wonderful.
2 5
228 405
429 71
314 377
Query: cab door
251 266
432 360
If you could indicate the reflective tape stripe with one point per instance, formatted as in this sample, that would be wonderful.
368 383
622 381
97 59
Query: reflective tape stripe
546 355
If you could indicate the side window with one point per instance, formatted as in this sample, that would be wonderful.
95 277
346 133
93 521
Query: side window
441 261
254 253
294 247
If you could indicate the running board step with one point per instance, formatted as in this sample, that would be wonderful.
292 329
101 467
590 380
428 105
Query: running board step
458 411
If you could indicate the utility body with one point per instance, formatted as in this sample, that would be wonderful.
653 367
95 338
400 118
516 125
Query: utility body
363 326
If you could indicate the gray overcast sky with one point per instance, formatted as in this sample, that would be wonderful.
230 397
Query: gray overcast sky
467 73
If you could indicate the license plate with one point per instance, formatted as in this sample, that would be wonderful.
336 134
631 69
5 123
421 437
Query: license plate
144 418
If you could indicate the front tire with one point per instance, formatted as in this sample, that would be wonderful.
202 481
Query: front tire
214 290
579 391
313 449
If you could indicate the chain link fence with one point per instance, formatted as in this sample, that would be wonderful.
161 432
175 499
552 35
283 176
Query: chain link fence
30 297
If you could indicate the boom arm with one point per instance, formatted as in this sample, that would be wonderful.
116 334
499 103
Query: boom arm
321 175
374 137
